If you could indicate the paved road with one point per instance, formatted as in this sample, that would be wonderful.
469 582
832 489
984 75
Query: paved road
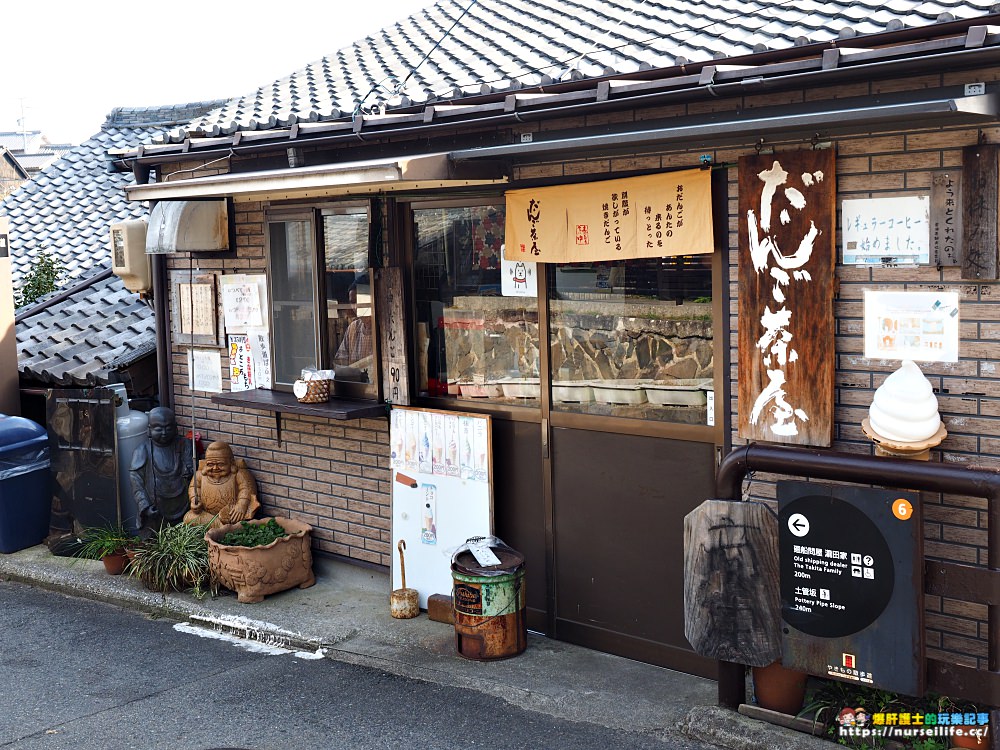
80 674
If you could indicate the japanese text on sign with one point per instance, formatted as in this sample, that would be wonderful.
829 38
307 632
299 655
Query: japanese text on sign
886 231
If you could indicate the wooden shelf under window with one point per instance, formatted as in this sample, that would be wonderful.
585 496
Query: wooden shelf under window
282 402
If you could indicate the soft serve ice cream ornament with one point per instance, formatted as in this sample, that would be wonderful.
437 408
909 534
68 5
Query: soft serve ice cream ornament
903 419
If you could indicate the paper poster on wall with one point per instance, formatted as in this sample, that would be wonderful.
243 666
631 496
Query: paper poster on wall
243 301
886 231
259 342
424 444
241 368
435 512
922 326
451 465
518 278
205 370
411 429
397 431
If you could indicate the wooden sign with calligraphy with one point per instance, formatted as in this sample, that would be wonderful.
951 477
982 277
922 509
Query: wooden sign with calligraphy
787 251
946 218
391 326
979 186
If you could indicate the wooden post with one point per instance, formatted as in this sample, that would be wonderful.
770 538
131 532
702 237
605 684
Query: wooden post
390 311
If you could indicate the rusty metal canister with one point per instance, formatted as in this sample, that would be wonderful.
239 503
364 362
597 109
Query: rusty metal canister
489 603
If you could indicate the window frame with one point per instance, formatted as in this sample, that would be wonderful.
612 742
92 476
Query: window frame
314 214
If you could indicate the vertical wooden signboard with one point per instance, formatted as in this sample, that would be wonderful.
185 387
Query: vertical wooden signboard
980 217
787 246
389 308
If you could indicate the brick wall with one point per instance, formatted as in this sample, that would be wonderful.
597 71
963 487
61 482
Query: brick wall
874 165
335 475
332 474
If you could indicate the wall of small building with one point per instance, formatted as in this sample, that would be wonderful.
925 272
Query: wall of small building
335 475
332 474
869 166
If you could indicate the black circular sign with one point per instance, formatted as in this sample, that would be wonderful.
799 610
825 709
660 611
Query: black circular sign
837 573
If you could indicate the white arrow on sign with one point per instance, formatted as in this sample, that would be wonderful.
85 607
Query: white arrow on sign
798 524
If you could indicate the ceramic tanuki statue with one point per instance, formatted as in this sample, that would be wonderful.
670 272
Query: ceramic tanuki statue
223 490
160 471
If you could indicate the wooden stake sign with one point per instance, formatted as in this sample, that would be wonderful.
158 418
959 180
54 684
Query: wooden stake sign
786 262
981 215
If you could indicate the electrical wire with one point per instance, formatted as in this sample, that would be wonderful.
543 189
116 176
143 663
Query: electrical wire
554 65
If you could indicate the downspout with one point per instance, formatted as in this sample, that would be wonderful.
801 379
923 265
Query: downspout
161 314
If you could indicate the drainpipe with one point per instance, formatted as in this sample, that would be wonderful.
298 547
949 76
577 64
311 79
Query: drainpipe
161 312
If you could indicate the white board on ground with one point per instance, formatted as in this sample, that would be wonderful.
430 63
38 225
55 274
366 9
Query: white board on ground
442 493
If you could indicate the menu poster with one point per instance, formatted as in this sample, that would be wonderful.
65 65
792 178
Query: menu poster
438 443
921 326
466 447
481 449
451 437
424 443
205 370
397 427
410 445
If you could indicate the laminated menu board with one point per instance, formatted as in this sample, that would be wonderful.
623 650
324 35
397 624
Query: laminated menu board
442 491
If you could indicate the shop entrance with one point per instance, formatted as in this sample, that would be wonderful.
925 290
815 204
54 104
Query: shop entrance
606 382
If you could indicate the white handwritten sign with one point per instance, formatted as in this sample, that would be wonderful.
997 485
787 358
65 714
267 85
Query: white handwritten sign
241 302
922 326
205 370
886 231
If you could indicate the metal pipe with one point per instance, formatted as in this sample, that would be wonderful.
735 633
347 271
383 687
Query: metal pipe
164 372
848 467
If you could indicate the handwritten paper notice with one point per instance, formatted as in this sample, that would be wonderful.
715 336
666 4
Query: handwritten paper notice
241 302
886 231
205 370
197 304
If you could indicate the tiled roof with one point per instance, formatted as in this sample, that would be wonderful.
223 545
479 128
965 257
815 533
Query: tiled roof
66 209
503 45
29 141
80 339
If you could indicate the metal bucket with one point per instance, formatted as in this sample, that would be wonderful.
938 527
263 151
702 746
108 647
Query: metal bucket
489 606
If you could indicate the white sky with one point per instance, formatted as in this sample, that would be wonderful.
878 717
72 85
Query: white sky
72 61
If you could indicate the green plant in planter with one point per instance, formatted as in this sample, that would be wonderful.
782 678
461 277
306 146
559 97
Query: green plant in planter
175 558
101 541
254 535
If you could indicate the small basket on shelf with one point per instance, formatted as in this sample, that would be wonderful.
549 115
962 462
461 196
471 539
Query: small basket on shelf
312 389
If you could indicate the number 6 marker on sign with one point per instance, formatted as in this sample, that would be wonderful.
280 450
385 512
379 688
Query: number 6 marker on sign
902 509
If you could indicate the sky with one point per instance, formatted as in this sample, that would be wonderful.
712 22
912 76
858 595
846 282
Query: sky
68 63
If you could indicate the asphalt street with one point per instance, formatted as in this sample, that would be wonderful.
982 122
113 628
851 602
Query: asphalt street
81 674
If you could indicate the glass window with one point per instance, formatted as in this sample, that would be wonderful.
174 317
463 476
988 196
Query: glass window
348 288
633 338
472 342
321 297
292 272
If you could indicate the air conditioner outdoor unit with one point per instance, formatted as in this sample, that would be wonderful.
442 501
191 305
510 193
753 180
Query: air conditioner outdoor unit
129 261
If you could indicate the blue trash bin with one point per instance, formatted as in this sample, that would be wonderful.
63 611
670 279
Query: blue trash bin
25 494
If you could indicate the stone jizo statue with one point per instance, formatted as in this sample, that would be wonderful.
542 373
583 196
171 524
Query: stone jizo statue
160 471
223 490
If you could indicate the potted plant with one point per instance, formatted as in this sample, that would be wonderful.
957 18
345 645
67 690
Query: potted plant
175 558
779 689
107 544
261 557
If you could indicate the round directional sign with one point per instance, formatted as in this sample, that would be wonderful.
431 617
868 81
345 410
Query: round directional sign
837 573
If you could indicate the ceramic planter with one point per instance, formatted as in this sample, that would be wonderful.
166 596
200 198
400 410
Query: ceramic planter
779 689
255 572
115 563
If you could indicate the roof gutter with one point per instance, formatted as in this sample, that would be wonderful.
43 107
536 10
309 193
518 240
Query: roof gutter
710 89
969 109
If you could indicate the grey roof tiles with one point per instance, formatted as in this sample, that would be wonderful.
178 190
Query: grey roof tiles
503 45
67 210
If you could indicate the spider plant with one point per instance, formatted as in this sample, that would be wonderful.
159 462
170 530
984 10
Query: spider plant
175 558
101 541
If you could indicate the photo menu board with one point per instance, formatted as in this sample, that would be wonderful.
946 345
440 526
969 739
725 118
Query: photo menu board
442 492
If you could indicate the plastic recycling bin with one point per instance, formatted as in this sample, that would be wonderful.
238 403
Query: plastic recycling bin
25 496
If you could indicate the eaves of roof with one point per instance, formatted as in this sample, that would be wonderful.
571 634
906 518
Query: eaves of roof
957 44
